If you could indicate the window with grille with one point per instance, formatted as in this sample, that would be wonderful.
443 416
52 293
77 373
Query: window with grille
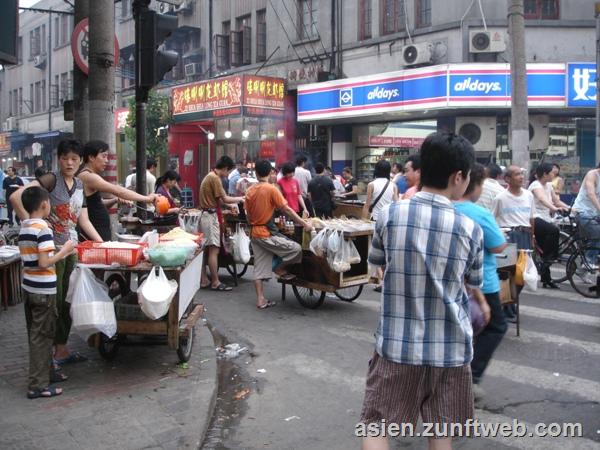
307 18
364 19
261 35
392 16
235 42
37 104
542 9
423 10
34 43
222 44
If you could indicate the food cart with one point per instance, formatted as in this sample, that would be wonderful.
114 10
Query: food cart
351 209
10 276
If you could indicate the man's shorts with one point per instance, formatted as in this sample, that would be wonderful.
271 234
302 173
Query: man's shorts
209 224
398 393
264 250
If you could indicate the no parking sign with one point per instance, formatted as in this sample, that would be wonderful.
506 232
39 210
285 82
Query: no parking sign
80 46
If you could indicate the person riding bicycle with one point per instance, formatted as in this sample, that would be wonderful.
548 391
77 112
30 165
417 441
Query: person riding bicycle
587 206
547 234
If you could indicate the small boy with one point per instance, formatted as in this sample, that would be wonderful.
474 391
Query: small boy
36 246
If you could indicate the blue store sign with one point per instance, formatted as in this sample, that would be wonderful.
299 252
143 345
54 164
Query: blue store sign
582 84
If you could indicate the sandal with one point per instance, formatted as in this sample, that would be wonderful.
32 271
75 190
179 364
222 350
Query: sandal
47 392
57 375
269 304
73 358
377 289
221 288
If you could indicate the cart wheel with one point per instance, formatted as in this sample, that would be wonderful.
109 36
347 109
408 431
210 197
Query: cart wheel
108 346
186 342
117 286
241 269
349 294
309 298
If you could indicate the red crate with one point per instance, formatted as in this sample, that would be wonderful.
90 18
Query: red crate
91 253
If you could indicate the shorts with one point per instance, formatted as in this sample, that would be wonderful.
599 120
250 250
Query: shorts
398 393
209 225
264 250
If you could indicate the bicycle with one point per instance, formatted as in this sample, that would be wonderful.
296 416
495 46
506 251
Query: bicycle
584 263
8 235
568 243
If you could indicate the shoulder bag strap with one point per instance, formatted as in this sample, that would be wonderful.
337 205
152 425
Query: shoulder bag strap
379 197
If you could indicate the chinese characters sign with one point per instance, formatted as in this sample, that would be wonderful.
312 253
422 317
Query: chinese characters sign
395 141
121 116
582 84
227 96
4 142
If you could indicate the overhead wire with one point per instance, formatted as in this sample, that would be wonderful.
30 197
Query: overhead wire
286 33
406 27
482 15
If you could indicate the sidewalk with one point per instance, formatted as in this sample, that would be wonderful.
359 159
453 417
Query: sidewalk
140 400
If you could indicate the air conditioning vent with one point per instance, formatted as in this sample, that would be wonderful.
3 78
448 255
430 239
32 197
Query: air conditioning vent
539 133
486 42
193 69
417 54
185 7
479 131
39 61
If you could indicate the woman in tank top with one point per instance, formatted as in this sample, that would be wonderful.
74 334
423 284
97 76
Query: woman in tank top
380 192
95 158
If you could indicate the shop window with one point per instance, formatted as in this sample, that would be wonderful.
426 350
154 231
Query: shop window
423 11
392 16
541 9
261 35
364 19
307 19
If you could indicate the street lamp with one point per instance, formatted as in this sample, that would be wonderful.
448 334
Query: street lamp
245 134
227 134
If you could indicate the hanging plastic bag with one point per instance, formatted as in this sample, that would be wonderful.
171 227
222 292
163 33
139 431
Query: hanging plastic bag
530 277
316 244
334 243
241 246
520 268
155 294
92 309
350 252
338 262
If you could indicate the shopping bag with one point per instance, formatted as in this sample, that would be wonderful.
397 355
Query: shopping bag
520 268
334 241
92 310
317 243
530 276
350 252
155 294
241 246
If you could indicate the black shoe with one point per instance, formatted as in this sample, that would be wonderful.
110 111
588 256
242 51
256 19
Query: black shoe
550 285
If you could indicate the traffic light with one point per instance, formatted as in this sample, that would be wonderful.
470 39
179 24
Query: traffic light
155 63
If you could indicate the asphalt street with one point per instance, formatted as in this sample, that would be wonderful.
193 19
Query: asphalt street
310 393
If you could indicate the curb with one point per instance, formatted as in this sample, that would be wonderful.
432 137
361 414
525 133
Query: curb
204 337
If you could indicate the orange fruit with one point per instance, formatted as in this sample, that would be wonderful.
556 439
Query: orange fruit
162 205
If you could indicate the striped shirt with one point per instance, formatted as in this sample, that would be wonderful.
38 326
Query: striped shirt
36 237
491 189
429 252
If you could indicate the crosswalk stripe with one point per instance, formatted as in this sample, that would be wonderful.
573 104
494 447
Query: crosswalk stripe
543 313
318 369
570 296
529 337
543 379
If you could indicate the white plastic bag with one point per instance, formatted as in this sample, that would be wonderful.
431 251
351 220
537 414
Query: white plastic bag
334 241
241 246
530 276
316 244
350 252
155 294
92 309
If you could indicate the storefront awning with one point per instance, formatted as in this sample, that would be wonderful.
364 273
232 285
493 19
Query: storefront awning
48 134
444 88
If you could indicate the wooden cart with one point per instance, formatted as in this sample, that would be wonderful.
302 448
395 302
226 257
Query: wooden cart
314 278
177 326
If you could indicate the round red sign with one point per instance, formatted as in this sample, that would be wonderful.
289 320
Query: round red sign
80 46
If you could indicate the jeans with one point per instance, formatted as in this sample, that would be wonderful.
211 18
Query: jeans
590 228
488 340
546 235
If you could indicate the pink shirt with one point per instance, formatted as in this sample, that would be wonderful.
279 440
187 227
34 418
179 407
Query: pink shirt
291 189
410 192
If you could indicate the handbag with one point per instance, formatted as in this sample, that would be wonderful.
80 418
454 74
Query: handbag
379 197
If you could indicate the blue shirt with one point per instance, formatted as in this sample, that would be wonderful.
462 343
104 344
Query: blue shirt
402 184
492 237
429 251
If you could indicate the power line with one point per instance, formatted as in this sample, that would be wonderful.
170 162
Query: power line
286 33
304 26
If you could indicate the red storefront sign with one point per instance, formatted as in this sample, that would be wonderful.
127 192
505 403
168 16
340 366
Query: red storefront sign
121 116
267 149
4 143
391 141
228 96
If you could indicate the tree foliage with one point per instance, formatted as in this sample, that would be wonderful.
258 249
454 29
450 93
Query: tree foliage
157 115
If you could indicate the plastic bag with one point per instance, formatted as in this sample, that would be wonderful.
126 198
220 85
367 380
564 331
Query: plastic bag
530 277
339 263
316 244
241 246
350 252
155 294
520 268
334 243
92 309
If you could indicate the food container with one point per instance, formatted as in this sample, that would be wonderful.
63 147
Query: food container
168 256
100 253
131 238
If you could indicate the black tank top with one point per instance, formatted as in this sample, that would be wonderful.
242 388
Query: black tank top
98 214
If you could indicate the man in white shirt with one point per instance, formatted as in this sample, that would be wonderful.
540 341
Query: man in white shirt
129 179
150 180
491 186
302 175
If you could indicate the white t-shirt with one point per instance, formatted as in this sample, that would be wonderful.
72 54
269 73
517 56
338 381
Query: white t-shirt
303 176
513 210
542 211
491 188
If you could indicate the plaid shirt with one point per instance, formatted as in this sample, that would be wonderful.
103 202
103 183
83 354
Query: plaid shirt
429 251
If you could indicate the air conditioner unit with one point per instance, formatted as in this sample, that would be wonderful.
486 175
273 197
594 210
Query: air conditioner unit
417 54
539 132
165 8
39 61
9 124
479 131
193 69
486 42
185 7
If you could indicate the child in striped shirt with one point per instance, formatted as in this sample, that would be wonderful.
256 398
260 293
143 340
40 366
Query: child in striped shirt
36 246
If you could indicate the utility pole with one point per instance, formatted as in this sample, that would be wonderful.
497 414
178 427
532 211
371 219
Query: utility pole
518 71
102 82
597 14
81 116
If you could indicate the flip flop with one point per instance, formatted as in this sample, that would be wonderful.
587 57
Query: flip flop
377 289
57 376
269 304
221 288
73 358
47 392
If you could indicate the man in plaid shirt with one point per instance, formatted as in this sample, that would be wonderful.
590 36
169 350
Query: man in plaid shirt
424 342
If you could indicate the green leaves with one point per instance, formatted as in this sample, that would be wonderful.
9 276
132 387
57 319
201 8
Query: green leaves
157 116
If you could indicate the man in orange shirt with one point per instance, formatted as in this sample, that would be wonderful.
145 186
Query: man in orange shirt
261 200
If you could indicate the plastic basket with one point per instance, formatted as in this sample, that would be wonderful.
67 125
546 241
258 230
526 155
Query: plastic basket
92 253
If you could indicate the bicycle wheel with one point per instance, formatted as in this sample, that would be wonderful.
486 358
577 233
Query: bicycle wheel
241 269
566 248
349 294
309 298
583 273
